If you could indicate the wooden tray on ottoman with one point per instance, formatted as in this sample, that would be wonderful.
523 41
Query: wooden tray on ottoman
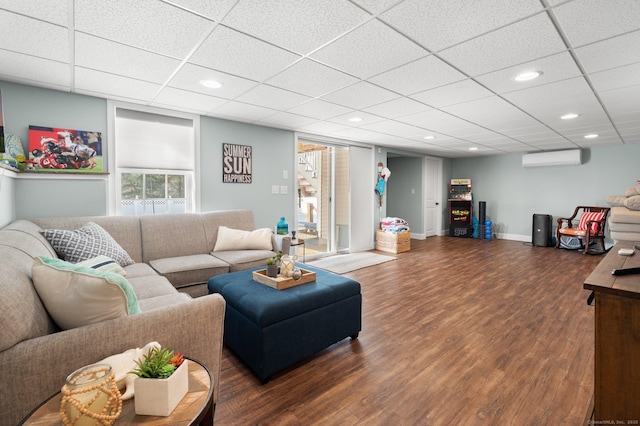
280 282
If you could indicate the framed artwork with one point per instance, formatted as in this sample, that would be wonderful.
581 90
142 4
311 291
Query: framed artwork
236 163
57 149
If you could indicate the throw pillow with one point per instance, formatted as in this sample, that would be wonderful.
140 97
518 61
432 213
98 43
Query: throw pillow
86 242
633 203
634 190
587 216
104 264
78 295
236 239
615 200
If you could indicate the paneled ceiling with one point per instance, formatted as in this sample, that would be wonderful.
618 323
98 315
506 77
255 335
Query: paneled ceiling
429 76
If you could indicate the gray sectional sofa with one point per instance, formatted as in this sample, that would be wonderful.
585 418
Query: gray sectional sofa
173 259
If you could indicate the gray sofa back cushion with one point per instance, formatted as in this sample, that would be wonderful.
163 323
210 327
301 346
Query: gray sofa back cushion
124 229
235 219
22 315
172 235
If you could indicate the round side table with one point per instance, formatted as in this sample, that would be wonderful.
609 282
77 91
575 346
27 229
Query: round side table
196 408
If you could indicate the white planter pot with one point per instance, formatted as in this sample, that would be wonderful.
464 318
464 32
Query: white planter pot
159 397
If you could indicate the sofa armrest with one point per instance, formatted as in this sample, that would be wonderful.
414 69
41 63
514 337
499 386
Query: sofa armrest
37 368
281 242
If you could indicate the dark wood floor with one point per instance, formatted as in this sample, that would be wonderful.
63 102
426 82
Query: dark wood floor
455 332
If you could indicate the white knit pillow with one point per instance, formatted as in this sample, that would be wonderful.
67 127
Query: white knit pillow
236 239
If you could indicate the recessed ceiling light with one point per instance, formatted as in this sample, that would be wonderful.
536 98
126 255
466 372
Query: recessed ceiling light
570 116
211 84
473 148
429 137
355 119
526 76
591 136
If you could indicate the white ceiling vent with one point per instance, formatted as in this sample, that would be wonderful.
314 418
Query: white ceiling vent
571 157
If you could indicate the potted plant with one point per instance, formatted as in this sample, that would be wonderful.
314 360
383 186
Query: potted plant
162 382
272 267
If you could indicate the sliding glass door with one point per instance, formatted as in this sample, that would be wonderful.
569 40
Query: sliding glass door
323 197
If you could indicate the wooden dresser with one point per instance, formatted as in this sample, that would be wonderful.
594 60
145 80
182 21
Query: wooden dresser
617 338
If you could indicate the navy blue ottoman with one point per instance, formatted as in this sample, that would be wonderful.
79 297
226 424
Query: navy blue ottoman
270 330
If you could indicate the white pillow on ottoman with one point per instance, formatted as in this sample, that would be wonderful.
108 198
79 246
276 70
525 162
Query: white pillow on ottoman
78 295
236 239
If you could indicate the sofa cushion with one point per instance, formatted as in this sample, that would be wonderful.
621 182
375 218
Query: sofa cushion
150 286
633 202
238 239
188 270
78 295
239 260
139 270
631 191
103 263
236 219
172 235
624 215
86 242
163 301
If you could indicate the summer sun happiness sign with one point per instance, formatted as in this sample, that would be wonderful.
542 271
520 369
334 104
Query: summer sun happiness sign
236 163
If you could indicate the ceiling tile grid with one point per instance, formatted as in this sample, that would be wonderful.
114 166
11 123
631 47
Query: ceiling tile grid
406 68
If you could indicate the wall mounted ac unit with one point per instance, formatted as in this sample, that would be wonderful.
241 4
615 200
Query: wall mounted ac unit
570 157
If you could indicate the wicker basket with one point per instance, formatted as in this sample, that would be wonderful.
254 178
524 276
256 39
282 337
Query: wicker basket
393 242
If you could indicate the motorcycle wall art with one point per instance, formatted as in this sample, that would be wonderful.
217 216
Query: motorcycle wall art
64 150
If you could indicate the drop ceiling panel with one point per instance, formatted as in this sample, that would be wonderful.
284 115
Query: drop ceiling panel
617 78
257 60
437 121
396 128
610 53
174 31
375 6
345 119
287 119
293 24
319 110
116 58
215 10
188 101
492 112
586 21
272 97
360 95
323 127
622 103
33 70
33 37
189 76
417 76
451 94
249 113
352 52
549 93
53 11
437 24
95 82
397 108
506 47
311 78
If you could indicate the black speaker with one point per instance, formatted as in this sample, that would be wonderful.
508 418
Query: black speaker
482 217
541 235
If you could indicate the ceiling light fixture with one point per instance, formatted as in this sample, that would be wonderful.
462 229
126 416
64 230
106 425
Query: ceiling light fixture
211 84
355 119
569 116
526 76
473 148
428 137
591 136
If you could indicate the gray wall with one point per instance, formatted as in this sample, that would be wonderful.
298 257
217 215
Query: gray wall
513 193
273 152
402 202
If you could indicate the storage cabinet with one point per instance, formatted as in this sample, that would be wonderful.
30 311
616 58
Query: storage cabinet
617 339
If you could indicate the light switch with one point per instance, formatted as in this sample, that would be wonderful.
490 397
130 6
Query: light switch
284 189
285 174
275 189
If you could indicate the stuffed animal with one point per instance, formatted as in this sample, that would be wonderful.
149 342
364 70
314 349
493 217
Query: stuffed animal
122 365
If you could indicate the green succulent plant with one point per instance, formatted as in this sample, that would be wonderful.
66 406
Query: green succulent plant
158 364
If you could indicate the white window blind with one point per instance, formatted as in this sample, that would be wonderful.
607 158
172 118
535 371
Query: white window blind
152 141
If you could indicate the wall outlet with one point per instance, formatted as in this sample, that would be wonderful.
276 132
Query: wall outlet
284 189
275 189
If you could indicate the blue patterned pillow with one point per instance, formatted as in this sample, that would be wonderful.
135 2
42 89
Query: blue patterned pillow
89 241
